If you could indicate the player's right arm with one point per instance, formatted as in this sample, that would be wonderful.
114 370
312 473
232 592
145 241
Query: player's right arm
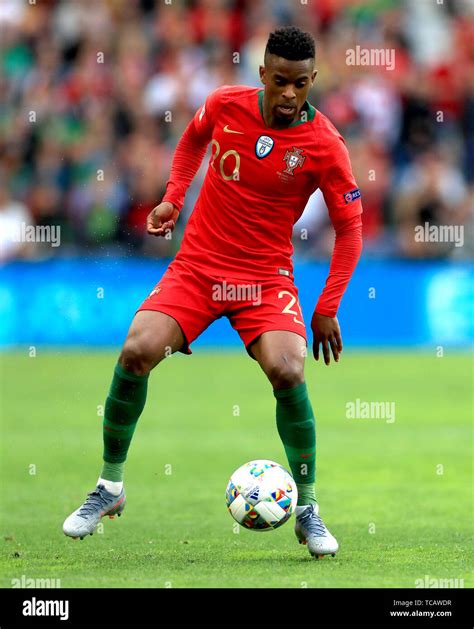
186 161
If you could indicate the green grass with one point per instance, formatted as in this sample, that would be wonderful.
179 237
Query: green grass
176 529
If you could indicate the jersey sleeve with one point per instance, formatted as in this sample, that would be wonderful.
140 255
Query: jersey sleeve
342 198
346 254
191 150
340 191
205 117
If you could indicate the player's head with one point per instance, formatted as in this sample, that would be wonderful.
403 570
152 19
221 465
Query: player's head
287 74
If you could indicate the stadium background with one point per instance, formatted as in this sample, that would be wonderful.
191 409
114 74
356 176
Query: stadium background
94 96
113 84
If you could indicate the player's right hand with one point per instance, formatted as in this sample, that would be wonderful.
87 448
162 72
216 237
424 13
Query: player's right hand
162 219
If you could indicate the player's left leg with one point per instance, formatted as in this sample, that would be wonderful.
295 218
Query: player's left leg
281 355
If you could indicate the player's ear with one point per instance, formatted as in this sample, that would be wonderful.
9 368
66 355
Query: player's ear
313 76
261 71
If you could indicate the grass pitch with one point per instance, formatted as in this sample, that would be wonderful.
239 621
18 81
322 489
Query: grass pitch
396 495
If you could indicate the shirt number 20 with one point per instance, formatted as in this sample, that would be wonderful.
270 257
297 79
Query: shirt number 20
231 153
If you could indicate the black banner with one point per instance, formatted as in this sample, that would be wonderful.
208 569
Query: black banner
280 607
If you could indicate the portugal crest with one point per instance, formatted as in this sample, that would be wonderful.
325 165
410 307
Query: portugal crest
293 159
263 146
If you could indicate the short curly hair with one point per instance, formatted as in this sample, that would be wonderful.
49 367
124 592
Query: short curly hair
291 43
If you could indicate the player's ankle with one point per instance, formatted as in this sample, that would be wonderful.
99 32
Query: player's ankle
306 494
113 487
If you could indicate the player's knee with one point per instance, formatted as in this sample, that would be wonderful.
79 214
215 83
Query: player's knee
136 357
287 374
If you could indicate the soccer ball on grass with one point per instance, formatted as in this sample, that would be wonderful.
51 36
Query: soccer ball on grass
261 495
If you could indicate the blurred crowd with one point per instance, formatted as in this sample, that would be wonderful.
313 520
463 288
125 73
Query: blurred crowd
95 94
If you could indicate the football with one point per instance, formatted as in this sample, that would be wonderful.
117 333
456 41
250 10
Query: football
261 495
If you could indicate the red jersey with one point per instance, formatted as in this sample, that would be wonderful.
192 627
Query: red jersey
258 183
256 187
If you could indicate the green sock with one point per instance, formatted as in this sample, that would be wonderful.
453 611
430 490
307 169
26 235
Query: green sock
112 471
297 429
123 407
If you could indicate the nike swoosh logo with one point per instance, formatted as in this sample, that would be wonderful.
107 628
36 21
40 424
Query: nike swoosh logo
227 130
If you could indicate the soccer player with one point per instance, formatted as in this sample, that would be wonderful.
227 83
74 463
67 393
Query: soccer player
271 149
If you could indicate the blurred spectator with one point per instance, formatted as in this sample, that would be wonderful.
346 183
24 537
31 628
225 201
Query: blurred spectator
95 94
13 216
432 195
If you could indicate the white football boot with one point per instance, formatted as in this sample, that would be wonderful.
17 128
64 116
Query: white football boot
312 531
100 502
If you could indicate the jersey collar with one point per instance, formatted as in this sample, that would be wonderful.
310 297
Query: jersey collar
306 107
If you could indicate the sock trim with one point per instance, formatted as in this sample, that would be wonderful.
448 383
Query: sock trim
295 393
112 468
128 375
306 494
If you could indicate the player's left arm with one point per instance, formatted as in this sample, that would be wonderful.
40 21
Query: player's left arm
343 201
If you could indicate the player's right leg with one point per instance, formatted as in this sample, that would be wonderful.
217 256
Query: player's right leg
152 336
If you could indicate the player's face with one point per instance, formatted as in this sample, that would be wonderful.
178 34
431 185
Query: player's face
287 84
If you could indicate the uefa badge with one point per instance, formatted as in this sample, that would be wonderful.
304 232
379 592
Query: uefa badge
352 195
264 146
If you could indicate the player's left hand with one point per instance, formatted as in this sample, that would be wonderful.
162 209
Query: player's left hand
326 331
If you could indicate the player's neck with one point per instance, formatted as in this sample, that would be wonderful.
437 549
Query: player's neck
272 123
